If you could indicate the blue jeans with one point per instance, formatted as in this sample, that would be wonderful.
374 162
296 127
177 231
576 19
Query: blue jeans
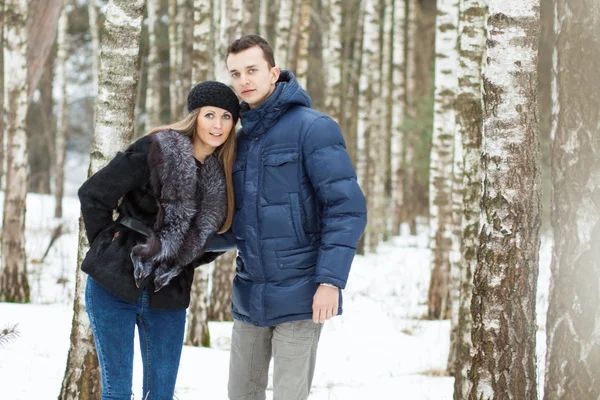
161 333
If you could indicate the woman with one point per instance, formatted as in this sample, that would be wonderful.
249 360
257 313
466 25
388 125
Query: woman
171 191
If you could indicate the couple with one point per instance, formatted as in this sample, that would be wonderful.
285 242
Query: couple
284 193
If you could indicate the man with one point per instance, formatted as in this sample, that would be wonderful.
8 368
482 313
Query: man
299 215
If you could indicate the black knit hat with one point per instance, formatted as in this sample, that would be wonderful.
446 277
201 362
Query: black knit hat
216 94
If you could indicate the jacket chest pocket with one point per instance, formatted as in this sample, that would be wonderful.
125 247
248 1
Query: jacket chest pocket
280 177
239 173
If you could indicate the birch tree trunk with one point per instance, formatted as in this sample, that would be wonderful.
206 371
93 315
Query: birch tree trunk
113 132
301 66
95 35
283 33
202 38
60 144
573 354
174 77
13 281
440 172
469 117
154 82
220 296
2 147
197 314
42 20
333 58
385 147
251 17
505 279
187 53
398 103
408 141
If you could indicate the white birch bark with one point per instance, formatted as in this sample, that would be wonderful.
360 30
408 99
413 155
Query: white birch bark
2 136
94 34
13 280
384 180
283 33
187 52
263 18
202 37
113 132
573 323
505 279
303 39
197 315
174 67
153 86
469 118
440 171
222 279
333 59
397 111
60 142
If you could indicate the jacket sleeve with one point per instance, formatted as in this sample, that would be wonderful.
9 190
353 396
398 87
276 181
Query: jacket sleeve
344 207
100 194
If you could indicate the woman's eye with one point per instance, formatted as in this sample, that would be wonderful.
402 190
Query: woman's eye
227 116
209 116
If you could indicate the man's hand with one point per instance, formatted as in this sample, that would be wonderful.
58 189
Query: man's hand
325 303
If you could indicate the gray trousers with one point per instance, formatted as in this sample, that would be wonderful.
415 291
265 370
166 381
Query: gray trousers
293 346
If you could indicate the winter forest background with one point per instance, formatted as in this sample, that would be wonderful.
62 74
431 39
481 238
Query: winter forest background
474 127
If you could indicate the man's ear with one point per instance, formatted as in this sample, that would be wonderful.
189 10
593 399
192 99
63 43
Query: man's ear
275 75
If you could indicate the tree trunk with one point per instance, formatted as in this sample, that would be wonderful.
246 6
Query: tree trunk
251 17
41 132
469 117
2 147
282 45
572 367
174 74
385 146
440 172
113 132
60 146
505 279
315 82
154 82
220 296
95 35
202 39
197 315
13 281
42 20
333 59
301 65
398 104
187 53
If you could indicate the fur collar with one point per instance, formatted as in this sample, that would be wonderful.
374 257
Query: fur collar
193 207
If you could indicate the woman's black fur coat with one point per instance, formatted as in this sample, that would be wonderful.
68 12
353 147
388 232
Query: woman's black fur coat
158 183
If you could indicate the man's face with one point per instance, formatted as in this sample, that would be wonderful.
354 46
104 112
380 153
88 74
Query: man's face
251 77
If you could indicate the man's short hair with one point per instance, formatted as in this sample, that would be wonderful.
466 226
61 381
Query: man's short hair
248 41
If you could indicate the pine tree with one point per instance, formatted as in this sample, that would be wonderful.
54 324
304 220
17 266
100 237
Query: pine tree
505 279
113 132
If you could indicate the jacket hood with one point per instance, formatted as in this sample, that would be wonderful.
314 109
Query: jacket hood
287 93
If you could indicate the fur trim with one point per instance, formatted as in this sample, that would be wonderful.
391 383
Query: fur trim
193 207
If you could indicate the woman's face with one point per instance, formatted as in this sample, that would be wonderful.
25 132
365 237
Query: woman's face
213 126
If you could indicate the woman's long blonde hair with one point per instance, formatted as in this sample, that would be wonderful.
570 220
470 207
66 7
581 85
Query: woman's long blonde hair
225 155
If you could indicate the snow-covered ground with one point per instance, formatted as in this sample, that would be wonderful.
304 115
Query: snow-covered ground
381 348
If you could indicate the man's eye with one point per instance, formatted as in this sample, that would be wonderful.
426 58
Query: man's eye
235 75
252 70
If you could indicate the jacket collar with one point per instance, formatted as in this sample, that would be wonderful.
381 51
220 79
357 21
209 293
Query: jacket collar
287 93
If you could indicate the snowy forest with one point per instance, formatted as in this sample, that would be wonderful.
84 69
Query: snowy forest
474 129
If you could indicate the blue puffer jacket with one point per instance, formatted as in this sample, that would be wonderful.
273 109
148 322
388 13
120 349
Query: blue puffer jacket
299 209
